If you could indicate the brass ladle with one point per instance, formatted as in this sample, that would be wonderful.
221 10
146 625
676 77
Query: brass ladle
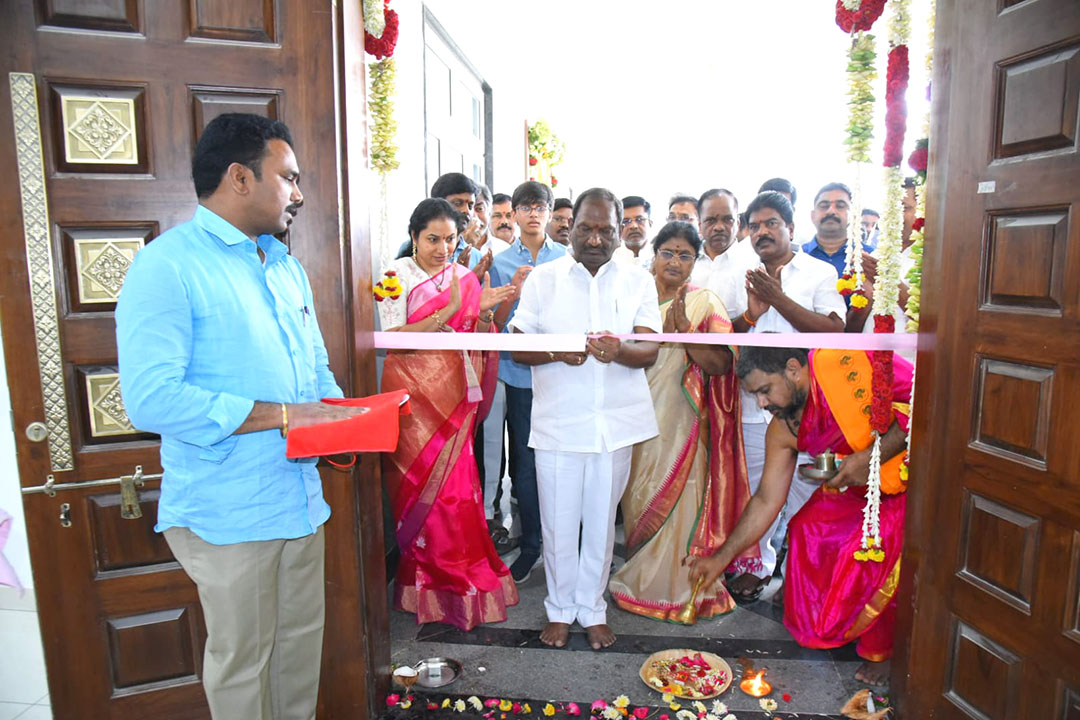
687 615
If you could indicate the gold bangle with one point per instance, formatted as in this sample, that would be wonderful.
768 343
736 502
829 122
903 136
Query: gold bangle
284 420
439 326
490 316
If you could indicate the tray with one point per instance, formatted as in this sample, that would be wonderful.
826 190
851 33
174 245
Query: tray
448 671
647 673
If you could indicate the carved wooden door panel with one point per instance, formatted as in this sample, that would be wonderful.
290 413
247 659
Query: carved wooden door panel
104 101
994 516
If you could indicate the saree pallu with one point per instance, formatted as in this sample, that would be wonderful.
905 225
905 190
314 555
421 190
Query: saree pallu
689 485
830 597
449 570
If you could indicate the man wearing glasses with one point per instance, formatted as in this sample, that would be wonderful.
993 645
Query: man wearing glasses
513 395
561 220
634 232
683 208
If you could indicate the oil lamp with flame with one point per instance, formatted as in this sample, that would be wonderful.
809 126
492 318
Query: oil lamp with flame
755 685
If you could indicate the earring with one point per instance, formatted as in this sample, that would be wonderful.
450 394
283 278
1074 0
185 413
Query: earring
414 254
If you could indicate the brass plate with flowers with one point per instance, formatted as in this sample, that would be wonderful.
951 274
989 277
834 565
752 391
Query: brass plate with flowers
687 674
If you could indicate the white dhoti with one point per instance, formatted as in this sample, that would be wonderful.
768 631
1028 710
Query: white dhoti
579 492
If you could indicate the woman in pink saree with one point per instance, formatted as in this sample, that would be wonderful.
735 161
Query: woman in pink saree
688 485
449 570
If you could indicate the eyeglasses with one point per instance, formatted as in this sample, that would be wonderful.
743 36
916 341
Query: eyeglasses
681 217
671 255
641 220
771 224
530 209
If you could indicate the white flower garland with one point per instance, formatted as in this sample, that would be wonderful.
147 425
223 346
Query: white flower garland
374 18
871 548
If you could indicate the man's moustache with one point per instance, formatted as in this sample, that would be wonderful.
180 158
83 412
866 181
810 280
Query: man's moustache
831 217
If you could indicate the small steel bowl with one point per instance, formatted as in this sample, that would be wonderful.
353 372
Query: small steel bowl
437 672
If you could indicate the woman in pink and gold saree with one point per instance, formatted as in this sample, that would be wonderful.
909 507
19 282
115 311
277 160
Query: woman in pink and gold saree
449 570
688 485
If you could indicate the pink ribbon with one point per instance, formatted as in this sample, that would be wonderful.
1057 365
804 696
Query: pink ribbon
576 343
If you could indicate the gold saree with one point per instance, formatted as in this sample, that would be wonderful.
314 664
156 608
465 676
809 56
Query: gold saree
688 485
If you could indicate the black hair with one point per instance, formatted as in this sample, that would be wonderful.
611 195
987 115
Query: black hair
779 184
681 198
868 211
910 182
483 192
428 210
776 201
715 192
833 186
453 183
675 229
499 198
744 217
769 360
530 192
233 138
561 203
636 201
599 193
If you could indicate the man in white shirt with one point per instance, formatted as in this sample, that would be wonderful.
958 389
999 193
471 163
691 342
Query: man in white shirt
589 409
724 262
787 292
634 233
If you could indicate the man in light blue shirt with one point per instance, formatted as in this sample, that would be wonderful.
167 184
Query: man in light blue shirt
220 354
532 203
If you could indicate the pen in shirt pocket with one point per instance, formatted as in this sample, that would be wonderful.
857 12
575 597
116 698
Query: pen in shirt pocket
305 312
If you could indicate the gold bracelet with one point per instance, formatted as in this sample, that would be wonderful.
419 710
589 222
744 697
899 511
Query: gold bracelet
284 420
439 326
490 316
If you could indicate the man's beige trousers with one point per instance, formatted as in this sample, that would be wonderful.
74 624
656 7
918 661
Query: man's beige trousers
264 607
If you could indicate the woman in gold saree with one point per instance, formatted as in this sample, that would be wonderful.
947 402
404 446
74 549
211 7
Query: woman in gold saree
688 485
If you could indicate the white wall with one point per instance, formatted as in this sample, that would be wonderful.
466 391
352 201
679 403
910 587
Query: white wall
16 550
406 185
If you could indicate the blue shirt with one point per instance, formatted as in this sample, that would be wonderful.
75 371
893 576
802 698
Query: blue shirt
474 257
203 330
503 267
837 259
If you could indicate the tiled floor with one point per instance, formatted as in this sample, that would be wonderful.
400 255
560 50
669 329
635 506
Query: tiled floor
24 693
507 659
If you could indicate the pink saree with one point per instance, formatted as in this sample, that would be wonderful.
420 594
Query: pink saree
449 570
689 485
830 597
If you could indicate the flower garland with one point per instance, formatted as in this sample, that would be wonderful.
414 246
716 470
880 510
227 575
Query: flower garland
381 44
858 15
546 151
380 40
374 17
896 84
861 76
618 709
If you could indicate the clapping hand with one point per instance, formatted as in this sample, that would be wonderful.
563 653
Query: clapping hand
676 320
483 265
519 279
463 258
490 297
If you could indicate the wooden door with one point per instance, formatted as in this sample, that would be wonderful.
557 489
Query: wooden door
993 544
104 101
